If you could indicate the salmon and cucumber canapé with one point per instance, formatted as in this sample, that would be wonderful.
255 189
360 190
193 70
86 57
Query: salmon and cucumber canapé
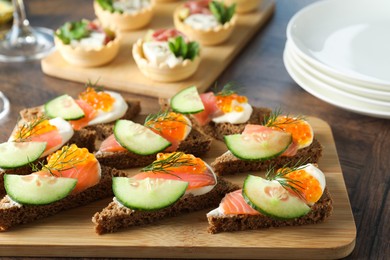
34 139
70 170
285 194
161 132
92 107
280 135
165 181
224 106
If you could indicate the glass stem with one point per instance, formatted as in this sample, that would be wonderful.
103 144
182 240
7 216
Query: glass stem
21 34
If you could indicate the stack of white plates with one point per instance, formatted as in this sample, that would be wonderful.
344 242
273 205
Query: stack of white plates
339 51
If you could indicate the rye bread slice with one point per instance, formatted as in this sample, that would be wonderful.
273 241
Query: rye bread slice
12 214
196 143
227 163
320 211
115 217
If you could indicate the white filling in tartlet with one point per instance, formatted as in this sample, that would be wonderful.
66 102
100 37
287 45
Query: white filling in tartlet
159 53
201 21
95 40
130 6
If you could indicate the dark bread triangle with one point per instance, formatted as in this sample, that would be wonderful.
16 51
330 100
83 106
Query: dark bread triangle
320 211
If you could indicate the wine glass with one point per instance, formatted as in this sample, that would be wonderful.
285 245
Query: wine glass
23 42
4 106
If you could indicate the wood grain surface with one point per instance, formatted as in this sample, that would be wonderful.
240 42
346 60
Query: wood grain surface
123 74
362 142
186 235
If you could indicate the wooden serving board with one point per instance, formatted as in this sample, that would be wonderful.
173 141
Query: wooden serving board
72 232
122 73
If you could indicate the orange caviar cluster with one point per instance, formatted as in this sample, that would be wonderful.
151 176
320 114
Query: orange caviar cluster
69 157
27 130
172 125
307 184
197 165
225 103
98 100
300 130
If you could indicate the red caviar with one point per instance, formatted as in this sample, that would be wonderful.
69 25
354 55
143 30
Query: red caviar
26 131
307 184
225 103
98 100
300 129
197 166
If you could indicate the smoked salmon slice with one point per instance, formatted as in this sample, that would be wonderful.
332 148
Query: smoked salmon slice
89 114
234 203
76 163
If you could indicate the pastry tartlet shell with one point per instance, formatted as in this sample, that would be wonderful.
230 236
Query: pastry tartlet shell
244 6
162 72
88 57
214 36
125 21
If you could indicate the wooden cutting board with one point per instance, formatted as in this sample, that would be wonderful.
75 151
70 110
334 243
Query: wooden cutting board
72 232
123 74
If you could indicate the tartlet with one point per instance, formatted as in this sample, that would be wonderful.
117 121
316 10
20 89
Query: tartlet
211 36
163 72
166 1
89 56
125 21
244 6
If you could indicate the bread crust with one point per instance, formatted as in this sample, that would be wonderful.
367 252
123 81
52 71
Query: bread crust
320 211
115 217
196 144
12 215
227 163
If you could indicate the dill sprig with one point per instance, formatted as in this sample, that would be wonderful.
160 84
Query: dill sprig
280 175
227 90
94 85
64 161
272 119
152 120
175 160
28 129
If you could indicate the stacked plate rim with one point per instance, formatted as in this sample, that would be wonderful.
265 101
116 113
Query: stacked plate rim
345 60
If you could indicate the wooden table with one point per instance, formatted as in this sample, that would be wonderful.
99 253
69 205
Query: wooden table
363 143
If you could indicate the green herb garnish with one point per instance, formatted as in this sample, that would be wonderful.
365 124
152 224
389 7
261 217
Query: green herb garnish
280 176
228 89
73 31
271 119
175 160
108 6
181 48
28 129
94 85
222 13
152 120
66 160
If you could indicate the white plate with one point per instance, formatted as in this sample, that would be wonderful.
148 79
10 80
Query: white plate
379 95
331 95
349 38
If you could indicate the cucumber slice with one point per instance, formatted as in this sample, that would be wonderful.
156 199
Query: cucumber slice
15 154
249 147
37 190
187 101
147 194
271 199
65 107
138 138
